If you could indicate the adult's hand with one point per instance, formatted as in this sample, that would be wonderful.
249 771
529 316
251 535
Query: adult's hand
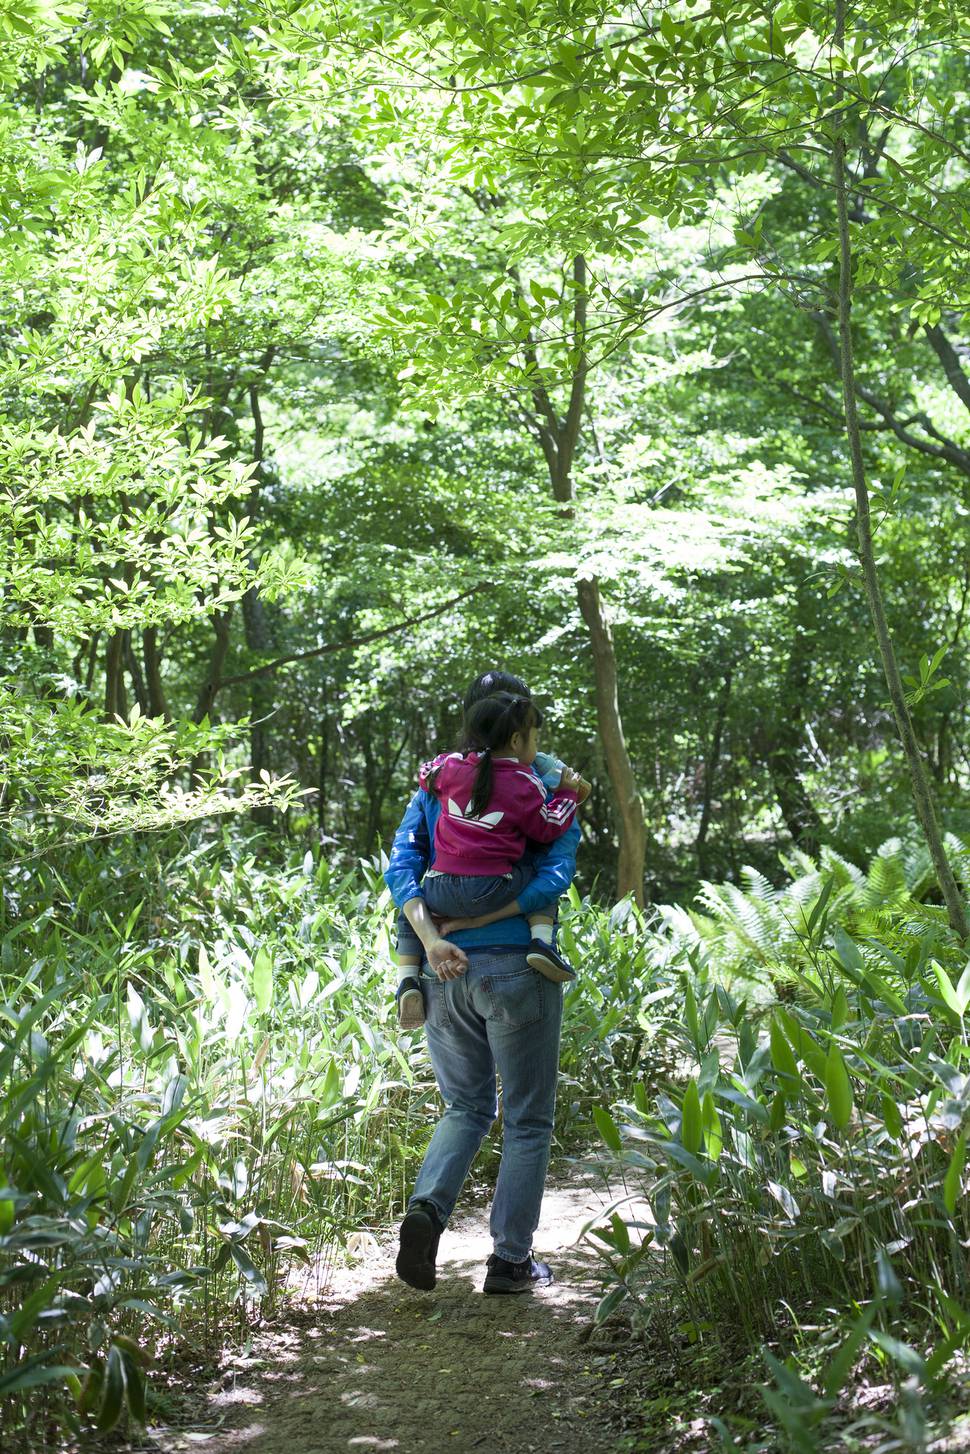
447 960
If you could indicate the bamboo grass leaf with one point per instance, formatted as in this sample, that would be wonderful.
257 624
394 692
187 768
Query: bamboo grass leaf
838 1088
690 1124
953 1180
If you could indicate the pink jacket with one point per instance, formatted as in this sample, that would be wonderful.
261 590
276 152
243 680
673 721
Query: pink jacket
517 811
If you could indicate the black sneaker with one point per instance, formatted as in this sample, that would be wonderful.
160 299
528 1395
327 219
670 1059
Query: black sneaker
548 962
420 1234
502 1276
410 1005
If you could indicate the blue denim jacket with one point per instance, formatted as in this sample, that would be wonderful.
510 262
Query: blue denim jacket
412 852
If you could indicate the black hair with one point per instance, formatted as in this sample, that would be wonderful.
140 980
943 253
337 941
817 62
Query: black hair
493 681
492 722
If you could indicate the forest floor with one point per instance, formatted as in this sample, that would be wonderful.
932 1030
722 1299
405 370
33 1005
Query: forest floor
367 1363
357 1361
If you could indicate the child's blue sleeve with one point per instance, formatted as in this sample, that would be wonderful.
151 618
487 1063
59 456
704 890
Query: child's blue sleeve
410 853
555 870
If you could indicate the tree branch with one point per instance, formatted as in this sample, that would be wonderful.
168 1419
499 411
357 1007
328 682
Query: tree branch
950 360
946 449
354 641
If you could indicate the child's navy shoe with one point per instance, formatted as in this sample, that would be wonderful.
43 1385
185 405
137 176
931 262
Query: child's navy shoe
545 959
410 1004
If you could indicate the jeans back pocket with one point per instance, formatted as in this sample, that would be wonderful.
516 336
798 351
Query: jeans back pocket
514 999
436 1011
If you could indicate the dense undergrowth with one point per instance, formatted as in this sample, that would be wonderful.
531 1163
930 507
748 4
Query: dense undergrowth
803 1160
204 1088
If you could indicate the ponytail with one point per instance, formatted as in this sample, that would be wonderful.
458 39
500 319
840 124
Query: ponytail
491 723
482 790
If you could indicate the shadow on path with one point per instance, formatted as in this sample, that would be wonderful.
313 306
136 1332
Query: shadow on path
378 1366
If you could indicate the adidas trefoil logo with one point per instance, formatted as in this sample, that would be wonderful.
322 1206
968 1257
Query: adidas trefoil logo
487 820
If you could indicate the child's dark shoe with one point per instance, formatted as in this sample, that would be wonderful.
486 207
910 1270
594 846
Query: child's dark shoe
545 959
410 1005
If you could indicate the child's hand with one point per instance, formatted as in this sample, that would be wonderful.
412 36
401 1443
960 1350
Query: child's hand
451 926
579 785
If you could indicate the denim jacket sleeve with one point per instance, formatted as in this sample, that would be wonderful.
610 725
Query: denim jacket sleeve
555 870
410 853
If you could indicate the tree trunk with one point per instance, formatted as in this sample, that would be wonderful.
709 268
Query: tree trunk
710 769
256 624
558 437
113 685
221 623
629 805
259 644
157 705
133 667
922 791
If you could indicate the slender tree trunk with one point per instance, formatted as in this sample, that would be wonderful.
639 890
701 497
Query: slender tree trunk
133 668
113 686
256 625
92 662
157 705
781 739
629 805
558 437
922 790
322 777
258 643
710 770
221 623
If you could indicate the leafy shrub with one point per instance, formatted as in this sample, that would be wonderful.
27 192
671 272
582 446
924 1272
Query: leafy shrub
808 1154
204 1083
199 1088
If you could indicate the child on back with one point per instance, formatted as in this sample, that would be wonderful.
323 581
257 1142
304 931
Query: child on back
492 803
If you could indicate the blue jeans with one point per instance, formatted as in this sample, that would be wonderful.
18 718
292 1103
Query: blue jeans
466 896
501 1016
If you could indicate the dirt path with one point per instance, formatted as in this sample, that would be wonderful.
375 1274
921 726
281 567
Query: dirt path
378 1366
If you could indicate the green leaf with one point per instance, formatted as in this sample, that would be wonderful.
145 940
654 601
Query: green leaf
263 980
115 1386
34 1374
607 1127
889 1285
782 1057
907 1358
609 1304
838 1088
892 1117
690 1015
949 994
953 1181
248 1269
690 1120
711 1121
848 951
621 1234
820 904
